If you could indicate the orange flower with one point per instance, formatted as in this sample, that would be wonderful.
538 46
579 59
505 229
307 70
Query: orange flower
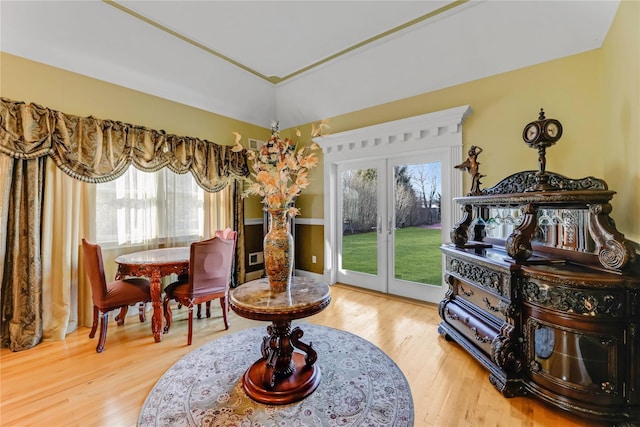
302 180
292 163
309 161
266 179
280 170
293 211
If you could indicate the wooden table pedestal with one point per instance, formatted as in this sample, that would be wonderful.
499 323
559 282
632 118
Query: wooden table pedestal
282 375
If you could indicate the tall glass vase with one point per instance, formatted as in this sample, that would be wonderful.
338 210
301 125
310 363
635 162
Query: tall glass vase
278 250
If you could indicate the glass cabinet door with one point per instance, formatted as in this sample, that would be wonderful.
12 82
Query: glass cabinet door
562 355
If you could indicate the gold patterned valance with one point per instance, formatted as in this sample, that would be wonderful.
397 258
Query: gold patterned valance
95 150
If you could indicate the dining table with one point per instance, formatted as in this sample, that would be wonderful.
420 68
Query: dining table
154 264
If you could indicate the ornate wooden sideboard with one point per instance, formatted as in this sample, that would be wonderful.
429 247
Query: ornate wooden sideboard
545 293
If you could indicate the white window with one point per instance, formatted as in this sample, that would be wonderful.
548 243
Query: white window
140 207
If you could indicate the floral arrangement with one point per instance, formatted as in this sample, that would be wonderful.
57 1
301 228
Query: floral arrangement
279 169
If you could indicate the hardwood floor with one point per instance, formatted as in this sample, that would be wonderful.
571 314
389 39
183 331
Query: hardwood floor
66 383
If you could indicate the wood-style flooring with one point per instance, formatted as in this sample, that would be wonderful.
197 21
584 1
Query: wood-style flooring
66 383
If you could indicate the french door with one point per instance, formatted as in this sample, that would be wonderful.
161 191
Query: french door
389 228
370 245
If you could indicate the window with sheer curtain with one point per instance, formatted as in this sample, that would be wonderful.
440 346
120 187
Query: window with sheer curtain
149 207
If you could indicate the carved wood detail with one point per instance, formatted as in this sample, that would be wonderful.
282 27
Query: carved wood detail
476 274
508 388
520 182
518 245
505 350
572 300
614 252
459 232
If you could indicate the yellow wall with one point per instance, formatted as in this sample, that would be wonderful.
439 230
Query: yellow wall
309 240
621 117
71 93
567 89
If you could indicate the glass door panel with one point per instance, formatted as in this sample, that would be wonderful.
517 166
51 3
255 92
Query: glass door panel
417 238
416 232
361 255
359 220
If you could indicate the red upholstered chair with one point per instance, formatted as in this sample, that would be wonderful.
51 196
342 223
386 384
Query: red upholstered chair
112 295
210 268
226 234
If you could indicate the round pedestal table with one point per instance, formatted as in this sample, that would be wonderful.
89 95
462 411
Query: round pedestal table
281 375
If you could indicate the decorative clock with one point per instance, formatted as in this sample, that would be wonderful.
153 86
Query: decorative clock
541 134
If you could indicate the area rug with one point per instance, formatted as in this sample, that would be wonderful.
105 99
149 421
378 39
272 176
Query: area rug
360 386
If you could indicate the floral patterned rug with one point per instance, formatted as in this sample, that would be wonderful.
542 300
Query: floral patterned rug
360 386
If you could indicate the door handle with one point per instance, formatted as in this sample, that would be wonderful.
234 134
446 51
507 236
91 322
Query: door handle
390 226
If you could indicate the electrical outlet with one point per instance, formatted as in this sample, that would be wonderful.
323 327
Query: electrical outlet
313 259
256 258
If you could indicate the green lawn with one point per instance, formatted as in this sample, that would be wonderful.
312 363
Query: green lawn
418 256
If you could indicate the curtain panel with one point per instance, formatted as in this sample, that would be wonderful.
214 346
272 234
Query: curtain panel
21 303
95 150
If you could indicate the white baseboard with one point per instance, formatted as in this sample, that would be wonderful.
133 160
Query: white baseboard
309 221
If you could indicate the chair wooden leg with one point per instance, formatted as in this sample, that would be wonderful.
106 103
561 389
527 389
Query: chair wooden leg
103 332
122 315
167 314
94 327
142 311
208 308
224 304
190 325
199 308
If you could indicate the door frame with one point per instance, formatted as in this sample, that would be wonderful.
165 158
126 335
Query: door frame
414 135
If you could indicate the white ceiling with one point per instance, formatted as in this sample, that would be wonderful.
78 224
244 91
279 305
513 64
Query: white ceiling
297 61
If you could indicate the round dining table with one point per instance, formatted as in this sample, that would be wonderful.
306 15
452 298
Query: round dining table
155 264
